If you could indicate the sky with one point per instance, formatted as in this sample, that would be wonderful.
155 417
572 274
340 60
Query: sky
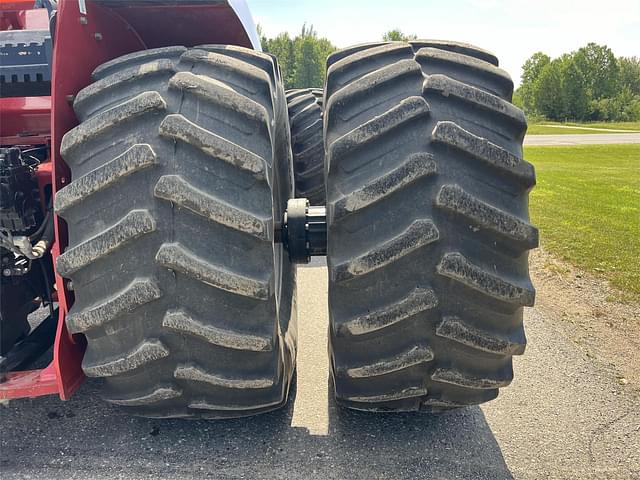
513 30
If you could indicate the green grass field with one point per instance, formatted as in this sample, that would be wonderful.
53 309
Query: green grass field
543 128
587 207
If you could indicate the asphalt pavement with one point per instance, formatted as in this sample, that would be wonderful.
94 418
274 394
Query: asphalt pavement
564 417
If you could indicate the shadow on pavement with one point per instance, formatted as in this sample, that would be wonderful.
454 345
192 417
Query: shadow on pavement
85 438
309 439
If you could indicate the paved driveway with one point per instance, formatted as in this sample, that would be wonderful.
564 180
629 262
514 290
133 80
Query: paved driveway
582 139
564 417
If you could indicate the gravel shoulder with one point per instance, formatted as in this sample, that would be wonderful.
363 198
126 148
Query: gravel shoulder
573 410
567 415
598 319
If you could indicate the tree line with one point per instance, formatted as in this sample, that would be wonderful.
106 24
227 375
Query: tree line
589 84
303 58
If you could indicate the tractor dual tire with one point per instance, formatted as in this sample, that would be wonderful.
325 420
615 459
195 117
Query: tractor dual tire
180 166
428 226
307 144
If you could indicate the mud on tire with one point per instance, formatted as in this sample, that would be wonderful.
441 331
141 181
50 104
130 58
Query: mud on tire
180 164
428 227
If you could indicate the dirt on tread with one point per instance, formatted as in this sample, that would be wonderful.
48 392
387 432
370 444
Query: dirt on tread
425 304
180 167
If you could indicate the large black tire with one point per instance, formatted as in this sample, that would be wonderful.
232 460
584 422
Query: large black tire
305 119
181 164
428 225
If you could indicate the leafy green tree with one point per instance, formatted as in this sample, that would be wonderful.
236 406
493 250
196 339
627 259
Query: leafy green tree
588 84
396 35
624 107
517 99
574 90
599 68
309 60
549 95
302 59
629 74
263 38
283 48
530 73
326 48
533 67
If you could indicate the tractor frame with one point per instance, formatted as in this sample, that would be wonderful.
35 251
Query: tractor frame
87 34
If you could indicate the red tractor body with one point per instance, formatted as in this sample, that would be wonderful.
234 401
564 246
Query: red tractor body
88 34
149 162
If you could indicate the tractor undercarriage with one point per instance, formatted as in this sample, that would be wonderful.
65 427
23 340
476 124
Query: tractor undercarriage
148 212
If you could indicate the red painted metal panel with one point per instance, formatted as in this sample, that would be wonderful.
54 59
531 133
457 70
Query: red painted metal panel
30 383
187 25
84 41
37 19
18 15
78 50
11 5
24 117
100 35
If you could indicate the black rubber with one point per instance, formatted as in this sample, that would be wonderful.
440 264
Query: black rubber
305 119
428 226
180 165
17 303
